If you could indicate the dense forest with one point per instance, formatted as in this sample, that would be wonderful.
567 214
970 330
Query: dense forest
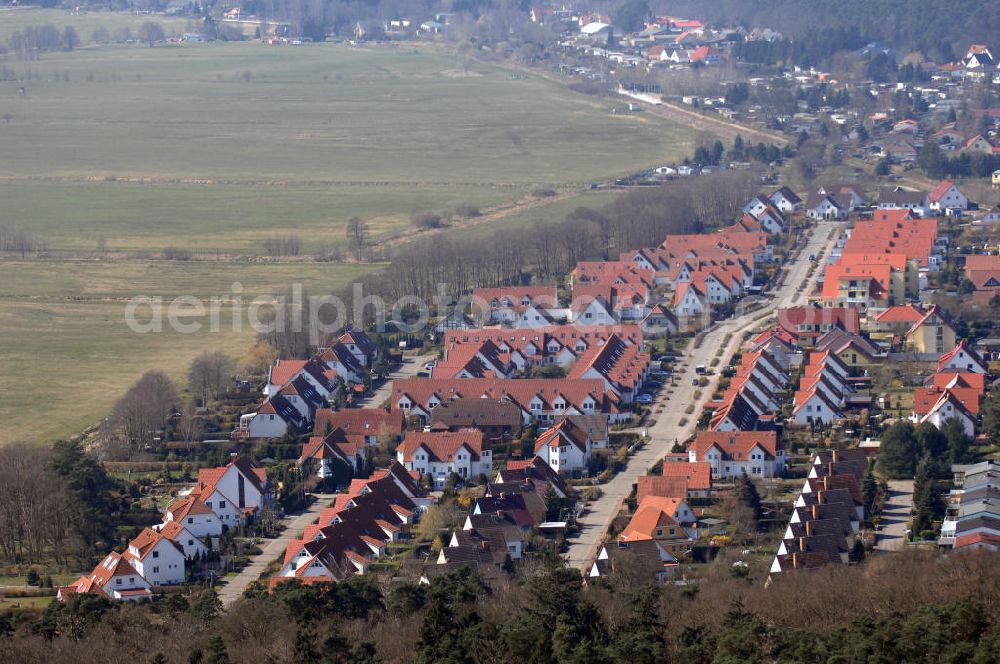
938 28
906 607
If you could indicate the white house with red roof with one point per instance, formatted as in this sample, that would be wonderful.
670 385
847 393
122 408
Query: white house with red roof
235 492
946 196
114 578
541 400
731 454
273 419
507 304
565 447
323 452
196 517
191 545
156 558
360 345
622 366
963 358
950 406
441 453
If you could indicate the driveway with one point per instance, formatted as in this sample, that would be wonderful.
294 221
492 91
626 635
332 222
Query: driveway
271 549
675 400
895 515
408 369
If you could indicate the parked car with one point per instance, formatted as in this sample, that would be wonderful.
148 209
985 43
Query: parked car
644 398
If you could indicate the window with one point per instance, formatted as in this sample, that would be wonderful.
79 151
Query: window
190 519
118 582
156 570
222 504
659 532
156 554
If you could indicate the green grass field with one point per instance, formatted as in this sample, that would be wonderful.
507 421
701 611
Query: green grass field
214 147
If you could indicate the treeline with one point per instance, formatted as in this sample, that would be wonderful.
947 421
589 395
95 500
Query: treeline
639 218
58 505
15 239
31 42
936 163
813 47
902 24
907 607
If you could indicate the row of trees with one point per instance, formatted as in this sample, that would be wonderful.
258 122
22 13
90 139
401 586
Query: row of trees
640 218
18 240
543 613
32 41
935 162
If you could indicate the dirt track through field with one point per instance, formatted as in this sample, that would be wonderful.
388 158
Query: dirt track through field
491 215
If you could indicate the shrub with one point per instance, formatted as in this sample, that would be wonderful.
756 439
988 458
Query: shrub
689 409
427 220
543 192
467 211
683 421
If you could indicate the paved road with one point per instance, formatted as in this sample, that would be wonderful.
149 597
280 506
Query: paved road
408 369
895 515
674 401
271 549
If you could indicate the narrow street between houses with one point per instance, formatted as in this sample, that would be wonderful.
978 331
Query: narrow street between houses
895 516
271 549
674 401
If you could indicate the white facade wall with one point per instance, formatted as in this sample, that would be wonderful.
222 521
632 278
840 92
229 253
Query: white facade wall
163 566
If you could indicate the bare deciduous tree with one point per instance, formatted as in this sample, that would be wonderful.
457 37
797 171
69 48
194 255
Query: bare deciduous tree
357 238
209 374
144 409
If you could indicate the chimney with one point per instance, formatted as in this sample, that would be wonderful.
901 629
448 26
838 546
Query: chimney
232 456
821 497
815 511
836 455
809 528
795 560
802 544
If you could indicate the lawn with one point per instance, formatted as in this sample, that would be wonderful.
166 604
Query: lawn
68 354
214 147
25 603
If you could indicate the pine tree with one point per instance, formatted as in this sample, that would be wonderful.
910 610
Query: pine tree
217 653
869 489
746 493
305 646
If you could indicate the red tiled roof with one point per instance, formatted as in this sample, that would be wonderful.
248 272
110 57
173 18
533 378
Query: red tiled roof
925 398
442 445
735 444
903 313
697 473
659 485
653 512
357 423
